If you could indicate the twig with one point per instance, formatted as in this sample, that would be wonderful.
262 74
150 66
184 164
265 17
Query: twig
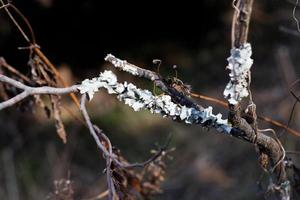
241 128
90 125
14 70
109 176
264 118
295 103
107 150
177 96
107 154
234 4
100 196
240 27
4 6
292 152
27 91
289 31
162 150
15 21
279 143
33 46
57 74
294 15
210 99
276 123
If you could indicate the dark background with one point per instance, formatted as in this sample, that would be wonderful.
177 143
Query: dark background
76 36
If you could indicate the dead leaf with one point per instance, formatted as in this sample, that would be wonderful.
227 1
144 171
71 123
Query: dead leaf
56 107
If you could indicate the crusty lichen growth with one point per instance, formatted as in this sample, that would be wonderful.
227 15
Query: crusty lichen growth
140 99
122 64
239 64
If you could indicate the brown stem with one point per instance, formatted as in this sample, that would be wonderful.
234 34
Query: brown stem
263 118
241 21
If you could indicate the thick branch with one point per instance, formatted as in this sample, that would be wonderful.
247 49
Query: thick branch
241 128
266 144
263 118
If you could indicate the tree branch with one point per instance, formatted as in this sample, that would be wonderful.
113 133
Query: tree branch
159 81
266 144
27 91
33 46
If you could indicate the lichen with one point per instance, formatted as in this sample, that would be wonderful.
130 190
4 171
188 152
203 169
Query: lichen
140 99
239 64
122 64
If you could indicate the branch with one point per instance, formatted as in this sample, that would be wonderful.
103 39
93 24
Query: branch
241 21
263 118
135 97
107 153
33 46
13 70
240 64
140 99
163 104
177 96
28 91
113 162
241 129
173 104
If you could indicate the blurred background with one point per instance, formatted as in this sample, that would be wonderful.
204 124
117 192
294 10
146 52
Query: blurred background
76 36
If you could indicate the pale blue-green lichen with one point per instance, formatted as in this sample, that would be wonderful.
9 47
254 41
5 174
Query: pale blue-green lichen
122 64
239 64
140 99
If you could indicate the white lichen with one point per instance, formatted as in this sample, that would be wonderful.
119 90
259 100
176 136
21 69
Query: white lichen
122 64
140 99
90 87
239 64
106 79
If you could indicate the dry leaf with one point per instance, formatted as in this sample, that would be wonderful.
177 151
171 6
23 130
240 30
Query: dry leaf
60 129
41 73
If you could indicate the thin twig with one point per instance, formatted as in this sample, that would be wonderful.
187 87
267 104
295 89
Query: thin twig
27 91
3 6
210 99
279 143
289 31
90 125
14 70
294 15
162 150
109 175
100 196
55 71
107 154
33 46
292 152
264 118
15 21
